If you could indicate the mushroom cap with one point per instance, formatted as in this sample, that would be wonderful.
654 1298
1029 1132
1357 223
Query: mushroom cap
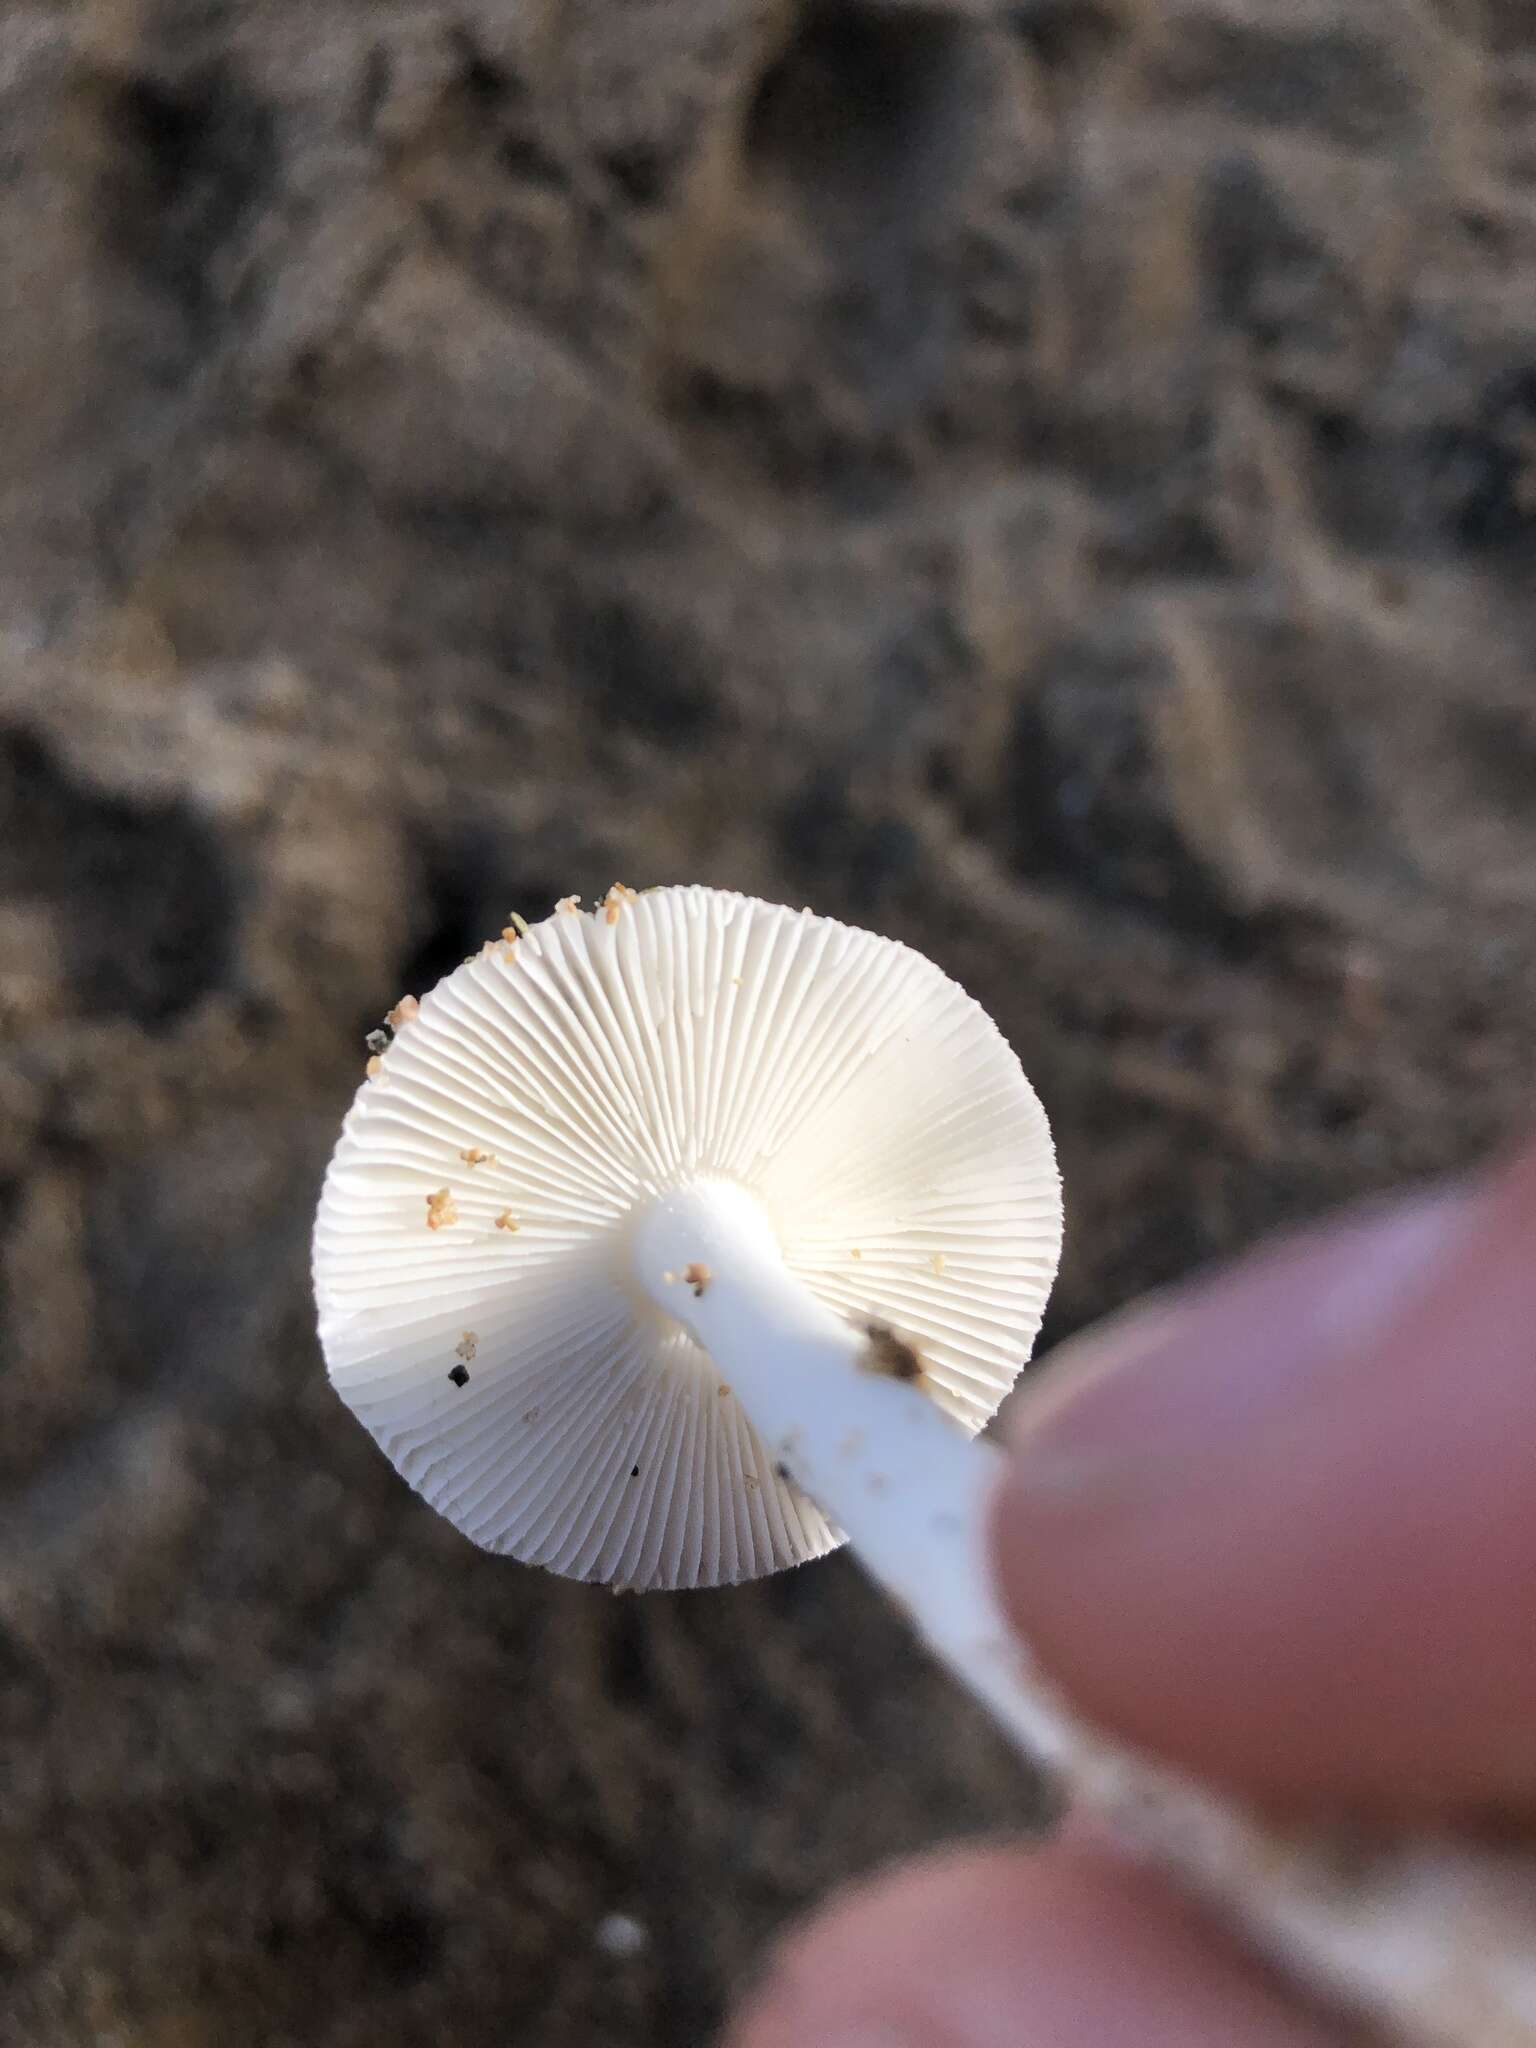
478 1306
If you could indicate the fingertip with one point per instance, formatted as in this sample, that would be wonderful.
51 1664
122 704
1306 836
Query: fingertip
1005 1948
1278 1529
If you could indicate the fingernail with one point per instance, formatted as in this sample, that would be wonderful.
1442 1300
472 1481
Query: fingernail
1184 1374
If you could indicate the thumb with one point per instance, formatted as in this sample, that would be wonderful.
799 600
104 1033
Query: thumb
1281 1526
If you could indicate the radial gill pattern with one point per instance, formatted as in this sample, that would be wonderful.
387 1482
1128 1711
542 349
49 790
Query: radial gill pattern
477 1308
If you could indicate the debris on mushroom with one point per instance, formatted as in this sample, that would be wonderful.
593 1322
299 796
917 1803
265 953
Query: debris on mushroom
889 1355
506 1220
568 906
374 1068
514 927
459 1374
614 901
697 1276
379 1041
441 1210
402 1013
466 1346
472 1155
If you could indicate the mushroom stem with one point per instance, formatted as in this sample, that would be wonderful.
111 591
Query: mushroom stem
877 1455
1430 1936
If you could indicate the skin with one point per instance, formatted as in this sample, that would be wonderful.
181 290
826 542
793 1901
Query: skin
1279 1526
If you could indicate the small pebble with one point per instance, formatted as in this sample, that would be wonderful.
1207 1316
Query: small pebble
620 1935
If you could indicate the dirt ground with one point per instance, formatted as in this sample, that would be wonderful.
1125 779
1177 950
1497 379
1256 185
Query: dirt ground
1053 480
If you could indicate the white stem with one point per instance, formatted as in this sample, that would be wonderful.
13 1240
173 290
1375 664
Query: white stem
905 1483
1436 1939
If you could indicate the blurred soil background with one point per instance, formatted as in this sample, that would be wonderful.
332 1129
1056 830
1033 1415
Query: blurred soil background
1054 481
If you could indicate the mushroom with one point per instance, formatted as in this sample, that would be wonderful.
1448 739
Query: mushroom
787 1216
691 1111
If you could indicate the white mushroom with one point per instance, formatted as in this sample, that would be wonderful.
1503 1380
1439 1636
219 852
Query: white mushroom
786 1214
718 1125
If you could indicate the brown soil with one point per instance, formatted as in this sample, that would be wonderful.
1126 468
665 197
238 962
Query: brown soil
1054 480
